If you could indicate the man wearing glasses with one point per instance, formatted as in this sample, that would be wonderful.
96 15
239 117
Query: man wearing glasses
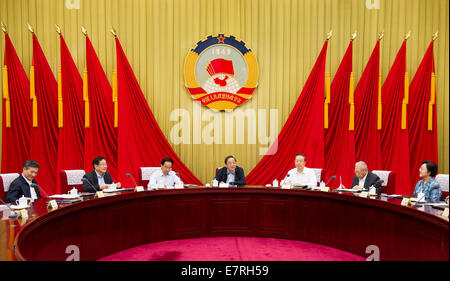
99 177
165 177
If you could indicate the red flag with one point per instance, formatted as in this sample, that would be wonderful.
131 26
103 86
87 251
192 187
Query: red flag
302 133
339 138
16 137
367 142
71 132
101 136
138 128
394 138
422 125
44 137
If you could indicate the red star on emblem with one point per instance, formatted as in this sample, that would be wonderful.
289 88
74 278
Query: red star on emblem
220 39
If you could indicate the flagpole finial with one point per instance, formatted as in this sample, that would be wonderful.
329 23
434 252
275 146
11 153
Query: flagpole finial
113 31
83 30
58 29
435 35
329 34
408 35
30 28
354 35
4 28
381 35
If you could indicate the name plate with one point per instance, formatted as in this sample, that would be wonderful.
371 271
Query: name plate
52 205
23 214
139 188
99 194
445 213
325 189
406 202
365 194
285 186
178 186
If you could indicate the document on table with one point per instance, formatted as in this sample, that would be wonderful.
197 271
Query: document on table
438 204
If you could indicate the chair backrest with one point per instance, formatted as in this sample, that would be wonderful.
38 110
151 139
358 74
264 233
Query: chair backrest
70 179
442 179
145 173
388 177
318 173
5 182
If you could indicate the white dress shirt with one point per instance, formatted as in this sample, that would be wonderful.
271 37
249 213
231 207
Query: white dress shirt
231 177
306 177
32 191
362 181
158 178
101 179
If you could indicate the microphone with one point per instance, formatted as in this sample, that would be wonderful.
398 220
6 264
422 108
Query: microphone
285 179
130 176
40 188
332 178
86 180
13 213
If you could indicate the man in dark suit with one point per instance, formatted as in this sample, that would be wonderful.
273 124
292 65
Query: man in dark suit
364 179
231 174
23 185
99 177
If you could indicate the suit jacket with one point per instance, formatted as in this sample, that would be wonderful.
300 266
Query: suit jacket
92 178
239 177
371 179
20 187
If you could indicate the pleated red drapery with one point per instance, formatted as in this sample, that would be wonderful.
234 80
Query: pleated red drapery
44 137
367 141
394 138
339 138
101 136
141 141
16 137
71 134
422 106
302 133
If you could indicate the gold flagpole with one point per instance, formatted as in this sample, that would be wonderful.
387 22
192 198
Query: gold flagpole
60 100
6 97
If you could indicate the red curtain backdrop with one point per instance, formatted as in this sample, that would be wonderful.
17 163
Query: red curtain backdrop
71 134
394 139
101 136
422 142
302 133
367 142
44 137
339 140
141 141
16 139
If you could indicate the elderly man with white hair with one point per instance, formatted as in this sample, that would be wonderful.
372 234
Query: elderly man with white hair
364 179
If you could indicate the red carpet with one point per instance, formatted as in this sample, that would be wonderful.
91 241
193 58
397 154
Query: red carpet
232 249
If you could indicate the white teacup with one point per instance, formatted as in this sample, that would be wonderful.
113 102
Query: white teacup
421 197
23 202
73 191
372 190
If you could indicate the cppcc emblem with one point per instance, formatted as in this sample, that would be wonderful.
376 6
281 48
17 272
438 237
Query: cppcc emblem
221 72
